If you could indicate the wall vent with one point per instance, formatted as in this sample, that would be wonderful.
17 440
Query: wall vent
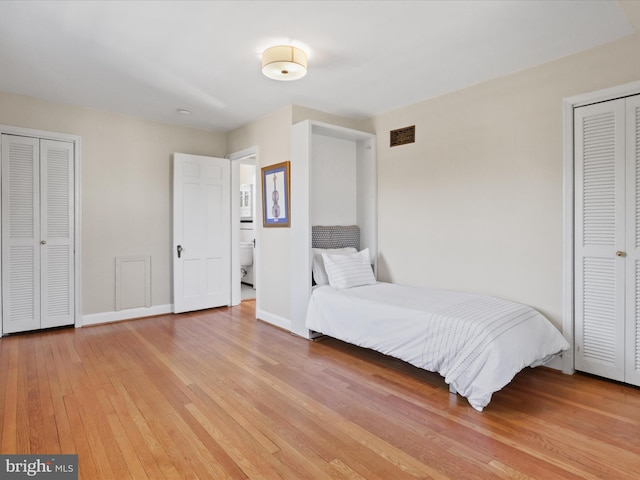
402 136
133 282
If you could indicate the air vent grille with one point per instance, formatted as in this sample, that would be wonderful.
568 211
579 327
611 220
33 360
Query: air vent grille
402 136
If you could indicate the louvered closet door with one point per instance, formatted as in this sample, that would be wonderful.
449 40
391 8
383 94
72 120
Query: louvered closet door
632 332
37 233
599 235
20 233
56 233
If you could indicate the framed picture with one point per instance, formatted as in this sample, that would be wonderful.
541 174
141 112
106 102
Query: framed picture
276 206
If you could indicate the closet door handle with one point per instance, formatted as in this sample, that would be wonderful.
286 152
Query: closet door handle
43 242
179 250
621 254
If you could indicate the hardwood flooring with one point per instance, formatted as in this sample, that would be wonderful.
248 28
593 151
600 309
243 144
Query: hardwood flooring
219 395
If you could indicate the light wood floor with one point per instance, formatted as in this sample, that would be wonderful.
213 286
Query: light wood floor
218 395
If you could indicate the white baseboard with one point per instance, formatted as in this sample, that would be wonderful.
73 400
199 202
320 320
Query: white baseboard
556 363
273 319
127 314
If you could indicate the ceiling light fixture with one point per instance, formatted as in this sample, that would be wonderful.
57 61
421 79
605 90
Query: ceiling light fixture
284 63
184 111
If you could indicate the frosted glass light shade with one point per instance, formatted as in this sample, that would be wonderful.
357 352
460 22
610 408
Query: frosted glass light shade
284 63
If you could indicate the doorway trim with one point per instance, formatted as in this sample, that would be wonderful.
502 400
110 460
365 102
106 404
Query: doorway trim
248 156
568 207
77 209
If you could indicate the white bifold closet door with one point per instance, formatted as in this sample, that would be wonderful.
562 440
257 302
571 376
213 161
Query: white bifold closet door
607 239
37 233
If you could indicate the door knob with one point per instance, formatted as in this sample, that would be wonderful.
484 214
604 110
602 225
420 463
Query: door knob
43 242
620 254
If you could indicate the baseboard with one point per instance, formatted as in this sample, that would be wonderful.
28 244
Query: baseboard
273 319
556 363
127 314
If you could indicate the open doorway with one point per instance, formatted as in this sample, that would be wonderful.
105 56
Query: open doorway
245 219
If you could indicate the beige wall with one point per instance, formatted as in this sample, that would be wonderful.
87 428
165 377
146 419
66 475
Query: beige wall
300 114
126 188
272 135
476 203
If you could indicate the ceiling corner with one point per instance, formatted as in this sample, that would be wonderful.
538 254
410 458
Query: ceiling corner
631 8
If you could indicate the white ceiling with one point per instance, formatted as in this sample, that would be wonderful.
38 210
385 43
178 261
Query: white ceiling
149 58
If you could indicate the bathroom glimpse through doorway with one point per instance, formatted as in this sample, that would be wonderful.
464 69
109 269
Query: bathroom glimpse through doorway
245 218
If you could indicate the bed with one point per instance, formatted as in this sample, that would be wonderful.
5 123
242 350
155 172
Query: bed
478 343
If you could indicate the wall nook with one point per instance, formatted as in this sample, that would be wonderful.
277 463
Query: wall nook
333 182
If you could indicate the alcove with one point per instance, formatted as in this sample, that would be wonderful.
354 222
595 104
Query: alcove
333 182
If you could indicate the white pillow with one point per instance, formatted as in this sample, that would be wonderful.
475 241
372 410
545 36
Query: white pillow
352 270
319 272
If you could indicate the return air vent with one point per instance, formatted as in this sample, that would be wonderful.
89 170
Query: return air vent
402 136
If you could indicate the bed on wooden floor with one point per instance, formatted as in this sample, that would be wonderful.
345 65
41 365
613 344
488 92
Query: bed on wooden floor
478 343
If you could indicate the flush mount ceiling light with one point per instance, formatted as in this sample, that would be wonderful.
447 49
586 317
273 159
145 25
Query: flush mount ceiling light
284 63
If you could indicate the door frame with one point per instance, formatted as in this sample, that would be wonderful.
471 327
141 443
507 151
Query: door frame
247 156
77 208
568 207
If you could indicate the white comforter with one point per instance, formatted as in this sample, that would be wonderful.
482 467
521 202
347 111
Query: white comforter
477 343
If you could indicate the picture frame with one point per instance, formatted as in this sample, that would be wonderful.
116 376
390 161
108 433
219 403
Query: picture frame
276 197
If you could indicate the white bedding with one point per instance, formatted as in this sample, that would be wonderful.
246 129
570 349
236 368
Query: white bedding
477 343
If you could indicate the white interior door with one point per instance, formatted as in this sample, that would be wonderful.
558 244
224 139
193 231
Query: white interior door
632 333
599 236
201 232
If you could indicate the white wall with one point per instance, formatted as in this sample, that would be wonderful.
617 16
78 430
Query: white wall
333 176
476 203
126 188
247 174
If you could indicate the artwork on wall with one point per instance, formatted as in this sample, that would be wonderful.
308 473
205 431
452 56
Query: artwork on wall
276 208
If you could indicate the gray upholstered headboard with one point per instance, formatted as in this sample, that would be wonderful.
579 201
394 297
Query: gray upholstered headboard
335 236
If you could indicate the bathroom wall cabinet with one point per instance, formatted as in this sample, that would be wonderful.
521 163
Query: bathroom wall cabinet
333 182
246 202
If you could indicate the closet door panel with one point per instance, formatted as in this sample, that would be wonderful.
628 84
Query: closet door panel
632 333
20 234
600 234
57 202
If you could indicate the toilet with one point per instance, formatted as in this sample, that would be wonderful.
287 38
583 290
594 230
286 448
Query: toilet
246 254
